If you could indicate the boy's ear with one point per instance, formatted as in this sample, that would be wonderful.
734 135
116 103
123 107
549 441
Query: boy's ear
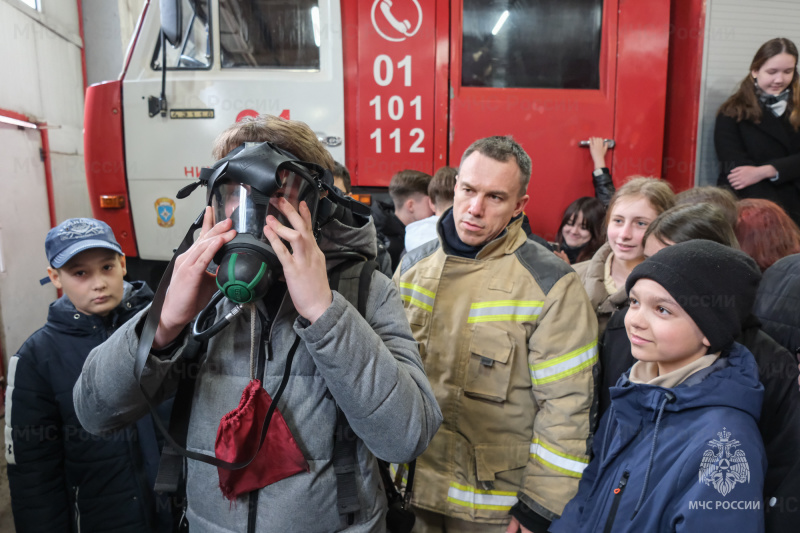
122 264
706 343
54 277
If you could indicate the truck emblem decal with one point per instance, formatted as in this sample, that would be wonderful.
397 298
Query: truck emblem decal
722 468
165 209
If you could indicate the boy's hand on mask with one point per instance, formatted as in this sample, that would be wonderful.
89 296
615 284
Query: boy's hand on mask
304 267
192 287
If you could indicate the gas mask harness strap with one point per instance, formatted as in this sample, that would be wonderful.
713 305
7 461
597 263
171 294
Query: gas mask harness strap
143 353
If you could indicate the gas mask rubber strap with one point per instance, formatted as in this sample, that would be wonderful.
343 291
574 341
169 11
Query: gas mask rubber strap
143 353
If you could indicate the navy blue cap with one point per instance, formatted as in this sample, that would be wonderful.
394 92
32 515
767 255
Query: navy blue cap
76 235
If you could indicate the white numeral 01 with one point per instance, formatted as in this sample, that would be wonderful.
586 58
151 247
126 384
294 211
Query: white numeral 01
384 62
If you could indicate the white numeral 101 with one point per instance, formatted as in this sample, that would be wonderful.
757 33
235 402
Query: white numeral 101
396 108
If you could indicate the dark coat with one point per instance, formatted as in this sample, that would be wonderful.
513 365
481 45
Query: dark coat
654 467
61 477
773 141
778 302
780 415
391 232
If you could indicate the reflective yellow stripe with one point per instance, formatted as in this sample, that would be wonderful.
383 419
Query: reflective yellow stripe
423 290
417 296
570 465
494 500
564 365
505 310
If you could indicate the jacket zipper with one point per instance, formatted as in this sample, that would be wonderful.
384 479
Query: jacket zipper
615 504
77 512
264 354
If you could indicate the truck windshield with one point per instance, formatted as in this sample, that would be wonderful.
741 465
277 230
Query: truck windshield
194 50
269 33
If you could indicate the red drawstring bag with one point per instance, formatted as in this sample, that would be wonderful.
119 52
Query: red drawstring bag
238 437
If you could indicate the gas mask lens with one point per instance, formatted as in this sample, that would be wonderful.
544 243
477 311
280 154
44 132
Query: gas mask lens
243 204
248 208
295 189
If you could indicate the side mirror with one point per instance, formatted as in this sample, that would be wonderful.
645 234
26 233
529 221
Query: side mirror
171 21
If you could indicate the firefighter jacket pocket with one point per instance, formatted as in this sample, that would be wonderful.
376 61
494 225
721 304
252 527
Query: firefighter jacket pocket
489 370
493 459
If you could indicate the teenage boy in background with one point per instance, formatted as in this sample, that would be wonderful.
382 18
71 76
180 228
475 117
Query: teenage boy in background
61 477
679 449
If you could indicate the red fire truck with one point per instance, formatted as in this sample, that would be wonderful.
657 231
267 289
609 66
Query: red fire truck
387 85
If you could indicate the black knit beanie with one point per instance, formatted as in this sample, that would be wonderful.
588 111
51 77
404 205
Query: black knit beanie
715 284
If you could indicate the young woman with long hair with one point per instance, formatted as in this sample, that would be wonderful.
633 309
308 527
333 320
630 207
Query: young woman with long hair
757 132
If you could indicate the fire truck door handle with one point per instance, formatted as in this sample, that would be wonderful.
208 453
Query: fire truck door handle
609 142
328 140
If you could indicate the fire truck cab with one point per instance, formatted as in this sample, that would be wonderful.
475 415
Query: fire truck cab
386 84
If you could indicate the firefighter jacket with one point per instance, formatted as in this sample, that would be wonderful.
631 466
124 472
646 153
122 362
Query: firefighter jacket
509 344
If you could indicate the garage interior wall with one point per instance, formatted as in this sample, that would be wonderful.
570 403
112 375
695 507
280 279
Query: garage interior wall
735 29
42 59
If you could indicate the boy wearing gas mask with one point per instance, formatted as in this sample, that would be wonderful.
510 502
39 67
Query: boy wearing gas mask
277 239
61 477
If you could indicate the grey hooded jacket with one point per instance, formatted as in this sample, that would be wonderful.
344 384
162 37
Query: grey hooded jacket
371 367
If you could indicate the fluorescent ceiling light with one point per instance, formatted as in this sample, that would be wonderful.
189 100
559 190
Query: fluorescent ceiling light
15 122
315 24
500 22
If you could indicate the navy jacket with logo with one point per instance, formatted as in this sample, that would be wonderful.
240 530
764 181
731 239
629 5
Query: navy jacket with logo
63 478
700 467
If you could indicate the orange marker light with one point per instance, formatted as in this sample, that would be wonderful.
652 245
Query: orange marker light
116 201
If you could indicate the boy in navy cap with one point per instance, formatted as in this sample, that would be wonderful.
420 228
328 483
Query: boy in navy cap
61 477
679 449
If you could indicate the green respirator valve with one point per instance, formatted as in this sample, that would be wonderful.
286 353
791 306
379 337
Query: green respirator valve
240 291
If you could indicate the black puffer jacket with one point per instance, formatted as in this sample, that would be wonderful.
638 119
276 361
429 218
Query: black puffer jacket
778 302
391 232
780 413
62 478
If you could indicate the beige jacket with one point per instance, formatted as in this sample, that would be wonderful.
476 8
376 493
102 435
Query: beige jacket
509 343
592 274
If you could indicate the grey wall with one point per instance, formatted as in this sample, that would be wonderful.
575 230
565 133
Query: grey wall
101 33
734 31
107 29
42 61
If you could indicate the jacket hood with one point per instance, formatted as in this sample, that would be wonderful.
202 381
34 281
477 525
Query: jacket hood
732 381
64 316
343 236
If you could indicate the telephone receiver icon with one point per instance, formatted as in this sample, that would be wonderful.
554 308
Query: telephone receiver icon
402 27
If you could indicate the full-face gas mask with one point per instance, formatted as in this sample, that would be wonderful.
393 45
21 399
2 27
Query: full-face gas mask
245 186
